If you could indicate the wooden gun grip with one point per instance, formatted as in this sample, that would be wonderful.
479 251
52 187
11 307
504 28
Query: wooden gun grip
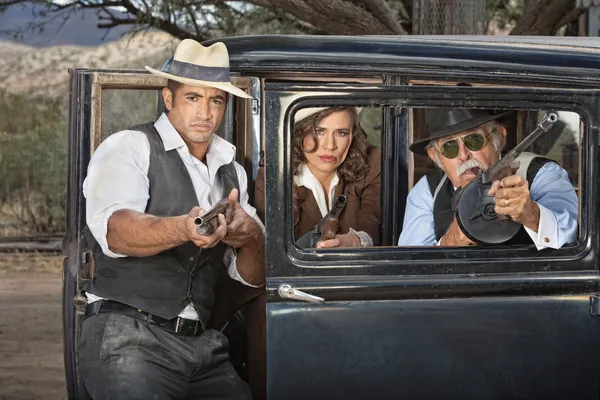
329 229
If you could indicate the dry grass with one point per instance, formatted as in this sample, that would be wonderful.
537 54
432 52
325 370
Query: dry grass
30 262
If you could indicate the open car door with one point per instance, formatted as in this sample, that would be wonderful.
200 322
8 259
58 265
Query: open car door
103 102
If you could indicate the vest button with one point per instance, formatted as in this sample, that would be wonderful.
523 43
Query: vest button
191 258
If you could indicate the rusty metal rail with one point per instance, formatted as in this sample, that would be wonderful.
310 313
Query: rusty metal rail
26 244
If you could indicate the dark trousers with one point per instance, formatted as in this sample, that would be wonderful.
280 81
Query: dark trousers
124 358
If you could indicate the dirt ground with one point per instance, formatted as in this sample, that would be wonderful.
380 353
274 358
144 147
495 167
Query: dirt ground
31 349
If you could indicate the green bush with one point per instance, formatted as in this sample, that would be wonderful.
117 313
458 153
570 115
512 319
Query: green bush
33 163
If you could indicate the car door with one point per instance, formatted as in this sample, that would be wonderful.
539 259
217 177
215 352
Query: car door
426 323
102 102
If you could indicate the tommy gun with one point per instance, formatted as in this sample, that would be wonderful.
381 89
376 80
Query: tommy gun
474 208
327 228
203 222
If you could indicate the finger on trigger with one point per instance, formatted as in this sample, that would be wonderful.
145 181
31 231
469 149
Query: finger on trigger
513 180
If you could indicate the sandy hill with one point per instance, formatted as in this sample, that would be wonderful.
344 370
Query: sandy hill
43 72
10 50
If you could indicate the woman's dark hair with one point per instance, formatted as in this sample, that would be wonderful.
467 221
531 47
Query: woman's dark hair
356 166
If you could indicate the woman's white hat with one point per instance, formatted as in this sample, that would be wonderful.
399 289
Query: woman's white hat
194 64
307 112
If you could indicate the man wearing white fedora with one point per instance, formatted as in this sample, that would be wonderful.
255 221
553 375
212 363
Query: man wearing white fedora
145 332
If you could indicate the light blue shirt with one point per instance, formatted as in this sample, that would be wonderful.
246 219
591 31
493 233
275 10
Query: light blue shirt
551 190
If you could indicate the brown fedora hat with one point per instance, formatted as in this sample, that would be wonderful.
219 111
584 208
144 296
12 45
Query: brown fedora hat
442 122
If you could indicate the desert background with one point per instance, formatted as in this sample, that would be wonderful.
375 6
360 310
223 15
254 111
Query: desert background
33 149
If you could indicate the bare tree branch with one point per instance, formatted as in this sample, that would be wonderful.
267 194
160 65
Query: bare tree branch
337 17
160 23
204 19
384 13
542 17
570 17
192 16
8 3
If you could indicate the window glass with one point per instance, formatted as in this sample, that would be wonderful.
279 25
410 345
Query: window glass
324 149
452 148
370 121
337 167
122 109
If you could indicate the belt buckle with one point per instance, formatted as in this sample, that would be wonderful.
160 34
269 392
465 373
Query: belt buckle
178 324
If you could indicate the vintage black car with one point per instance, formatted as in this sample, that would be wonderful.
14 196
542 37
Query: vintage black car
478 322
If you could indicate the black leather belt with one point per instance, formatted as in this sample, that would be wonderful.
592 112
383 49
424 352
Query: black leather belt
182 326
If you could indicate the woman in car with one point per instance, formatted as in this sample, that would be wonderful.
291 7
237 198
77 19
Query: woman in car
332 156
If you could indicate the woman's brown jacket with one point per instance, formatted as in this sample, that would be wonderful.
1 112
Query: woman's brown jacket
362 211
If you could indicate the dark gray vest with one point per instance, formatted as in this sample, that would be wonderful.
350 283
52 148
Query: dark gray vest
164 284
443 214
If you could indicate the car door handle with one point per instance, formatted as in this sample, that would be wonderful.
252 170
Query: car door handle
288 292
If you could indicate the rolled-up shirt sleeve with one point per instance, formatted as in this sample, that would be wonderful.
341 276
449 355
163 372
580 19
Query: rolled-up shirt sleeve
558 203
117 178
230 258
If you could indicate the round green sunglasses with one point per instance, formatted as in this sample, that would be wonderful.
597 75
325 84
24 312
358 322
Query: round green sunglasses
472 141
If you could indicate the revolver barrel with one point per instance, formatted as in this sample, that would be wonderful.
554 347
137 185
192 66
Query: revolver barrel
203 222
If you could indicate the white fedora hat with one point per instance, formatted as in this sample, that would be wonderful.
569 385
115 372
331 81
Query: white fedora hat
194 64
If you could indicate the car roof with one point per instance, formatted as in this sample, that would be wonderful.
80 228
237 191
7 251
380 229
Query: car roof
302 52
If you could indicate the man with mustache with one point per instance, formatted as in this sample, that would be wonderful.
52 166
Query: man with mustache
461 142
146 332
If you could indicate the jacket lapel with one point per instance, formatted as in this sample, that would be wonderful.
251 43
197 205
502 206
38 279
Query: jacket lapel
308 204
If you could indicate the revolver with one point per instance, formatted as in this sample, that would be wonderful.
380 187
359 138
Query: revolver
327 228
329 224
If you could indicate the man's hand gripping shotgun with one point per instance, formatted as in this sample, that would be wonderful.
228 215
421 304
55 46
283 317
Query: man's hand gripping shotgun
204 225
474 207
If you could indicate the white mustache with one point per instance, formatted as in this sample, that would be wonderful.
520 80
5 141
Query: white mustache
472 163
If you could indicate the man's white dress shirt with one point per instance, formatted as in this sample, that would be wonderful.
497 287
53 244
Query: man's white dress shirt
118 179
